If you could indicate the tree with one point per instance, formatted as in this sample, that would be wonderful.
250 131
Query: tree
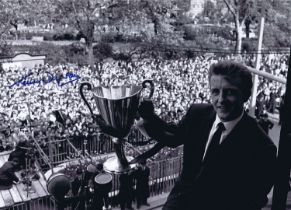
209 9
4 19
160 13
244 12
4 29
278 28
86 17
89 16
9 10
21 11
239 9
166 17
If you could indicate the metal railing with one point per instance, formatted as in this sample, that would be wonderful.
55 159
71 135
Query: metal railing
54 151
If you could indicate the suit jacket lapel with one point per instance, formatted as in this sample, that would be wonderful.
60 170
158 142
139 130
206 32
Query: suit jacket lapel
206 125
234 135
233 138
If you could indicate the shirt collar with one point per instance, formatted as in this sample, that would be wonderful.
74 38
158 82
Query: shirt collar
229 125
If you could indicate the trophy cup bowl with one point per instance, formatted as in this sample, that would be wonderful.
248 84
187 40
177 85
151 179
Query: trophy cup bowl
117 106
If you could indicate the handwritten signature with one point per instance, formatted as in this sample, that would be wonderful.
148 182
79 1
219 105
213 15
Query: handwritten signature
60 79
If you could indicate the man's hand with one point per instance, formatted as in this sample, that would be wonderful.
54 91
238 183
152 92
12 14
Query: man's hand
146 109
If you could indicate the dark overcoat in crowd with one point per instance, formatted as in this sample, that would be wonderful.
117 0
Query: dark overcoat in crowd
142 191
7 175
125 195
266 124
142 182
239 178
19 154
101 197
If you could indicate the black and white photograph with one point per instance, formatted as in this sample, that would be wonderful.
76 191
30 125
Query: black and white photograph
145 104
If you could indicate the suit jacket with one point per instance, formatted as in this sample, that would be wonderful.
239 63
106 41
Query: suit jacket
7 175
19 154
142 182
125 187
239 178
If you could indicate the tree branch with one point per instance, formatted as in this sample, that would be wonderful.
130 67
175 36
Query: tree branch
232 11
76 18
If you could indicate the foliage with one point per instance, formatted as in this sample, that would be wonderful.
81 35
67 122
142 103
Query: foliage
4 20
108 37
210 11
249 45
190 32
64 36
242 13
112 37
193 32
24 12
5 49
148 25
56 54
275 37
102 50
76 53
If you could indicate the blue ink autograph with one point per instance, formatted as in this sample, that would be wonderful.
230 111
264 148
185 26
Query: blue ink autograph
28 80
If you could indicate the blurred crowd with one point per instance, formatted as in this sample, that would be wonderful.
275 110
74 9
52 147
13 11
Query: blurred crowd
29 104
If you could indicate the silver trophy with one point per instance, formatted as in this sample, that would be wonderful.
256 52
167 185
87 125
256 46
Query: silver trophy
118 107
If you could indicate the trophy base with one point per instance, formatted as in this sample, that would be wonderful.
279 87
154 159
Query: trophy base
112 165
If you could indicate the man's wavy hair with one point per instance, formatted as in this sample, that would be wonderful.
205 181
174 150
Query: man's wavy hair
236 74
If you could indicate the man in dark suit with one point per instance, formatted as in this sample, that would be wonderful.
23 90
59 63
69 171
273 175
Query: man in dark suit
229 162
20 153
125 195
7 174
142 192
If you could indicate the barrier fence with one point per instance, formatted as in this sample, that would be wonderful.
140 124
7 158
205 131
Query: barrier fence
53 151
163 175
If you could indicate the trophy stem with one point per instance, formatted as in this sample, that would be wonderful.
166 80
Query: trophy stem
118 163
119 150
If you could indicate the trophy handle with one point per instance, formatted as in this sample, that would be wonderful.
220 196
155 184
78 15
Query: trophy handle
89 87
152 87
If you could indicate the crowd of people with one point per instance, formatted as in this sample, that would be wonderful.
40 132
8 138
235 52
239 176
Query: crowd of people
29 96
44 103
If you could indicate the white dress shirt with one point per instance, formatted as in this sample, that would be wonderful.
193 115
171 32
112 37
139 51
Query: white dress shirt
229 125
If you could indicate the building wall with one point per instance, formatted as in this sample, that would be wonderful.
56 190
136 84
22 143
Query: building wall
23 60
196 7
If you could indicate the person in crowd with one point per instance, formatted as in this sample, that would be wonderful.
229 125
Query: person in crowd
101 199
20 153
260 106
142 191
282 109
87 185
7 174
125 195
265 123
2 142
78 190
18 135
272 102
229 162
178 83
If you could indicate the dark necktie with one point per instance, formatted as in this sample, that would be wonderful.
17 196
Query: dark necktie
214 143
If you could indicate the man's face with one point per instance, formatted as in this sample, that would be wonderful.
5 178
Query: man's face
226 98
